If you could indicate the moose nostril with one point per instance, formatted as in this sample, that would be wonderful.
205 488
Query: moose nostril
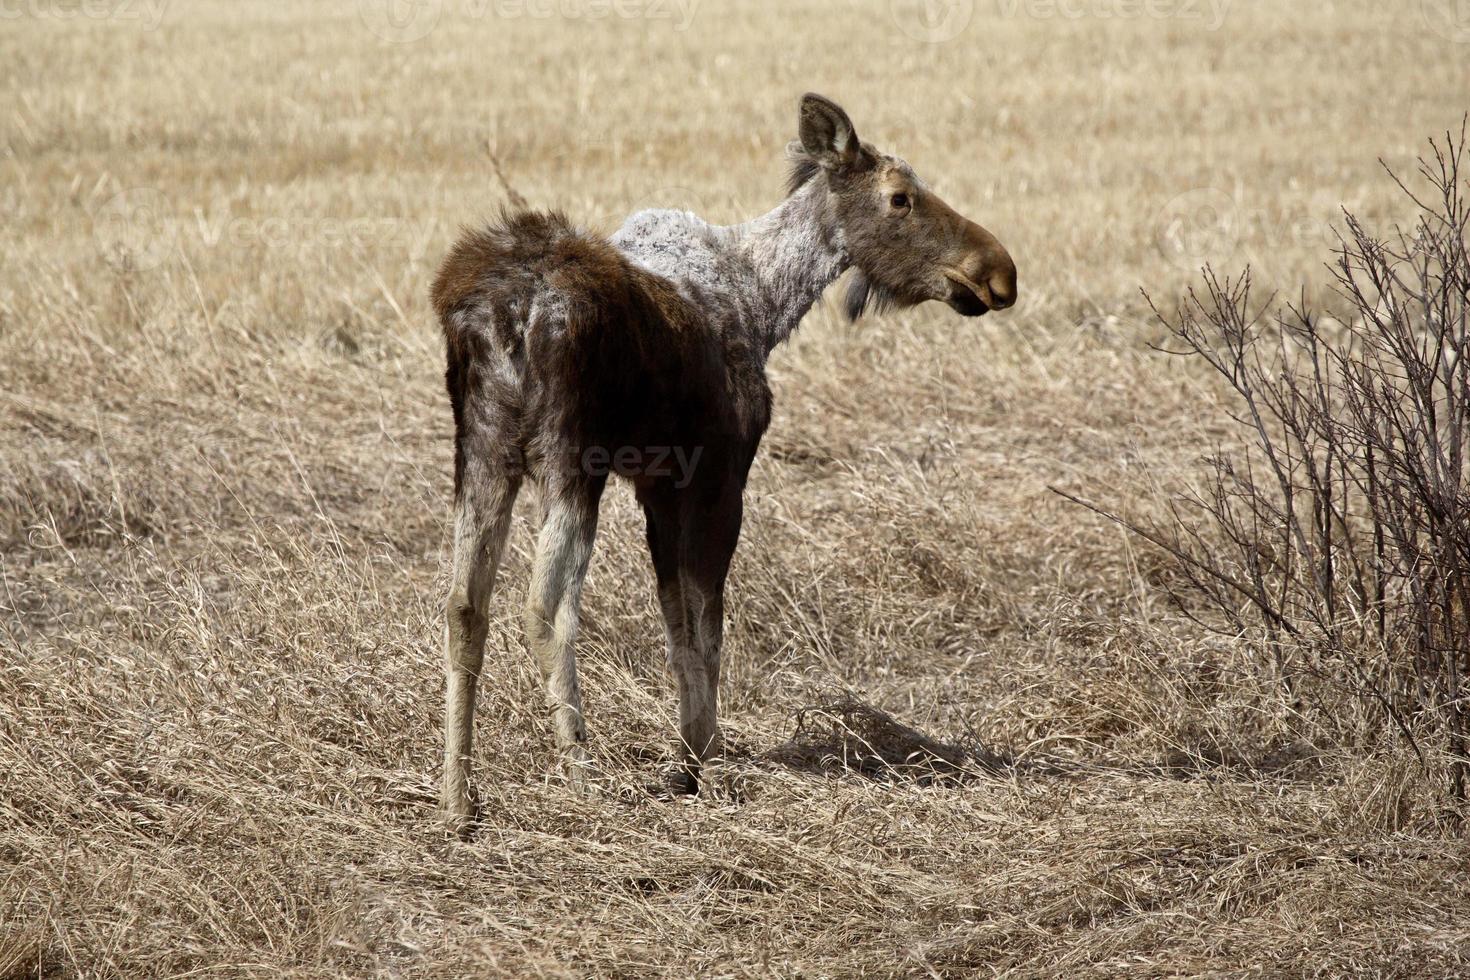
1002 290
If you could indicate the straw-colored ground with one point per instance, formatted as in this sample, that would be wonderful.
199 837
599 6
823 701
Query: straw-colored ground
225 469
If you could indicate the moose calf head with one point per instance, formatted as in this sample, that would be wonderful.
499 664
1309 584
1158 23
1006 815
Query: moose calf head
906 245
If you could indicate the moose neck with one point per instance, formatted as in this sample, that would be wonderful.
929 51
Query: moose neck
796 252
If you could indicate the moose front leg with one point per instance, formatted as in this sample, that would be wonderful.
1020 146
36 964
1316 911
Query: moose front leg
711 533
696 667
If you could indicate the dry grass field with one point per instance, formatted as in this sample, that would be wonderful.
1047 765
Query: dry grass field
225 465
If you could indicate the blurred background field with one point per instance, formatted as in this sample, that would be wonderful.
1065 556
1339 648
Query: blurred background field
225 471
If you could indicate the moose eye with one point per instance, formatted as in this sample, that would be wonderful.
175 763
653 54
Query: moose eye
899 200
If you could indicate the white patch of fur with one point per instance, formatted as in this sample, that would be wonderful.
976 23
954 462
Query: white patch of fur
759 278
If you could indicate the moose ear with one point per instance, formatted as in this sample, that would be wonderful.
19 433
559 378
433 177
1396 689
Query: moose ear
827 134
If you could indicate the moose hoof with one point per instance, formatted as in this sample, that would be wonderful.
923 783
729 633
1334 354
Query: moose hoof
682 782
721 781
581 771
458 819
711 781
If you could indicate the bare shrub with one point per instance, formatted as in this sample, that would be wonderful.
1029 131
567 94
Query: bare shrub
1338 539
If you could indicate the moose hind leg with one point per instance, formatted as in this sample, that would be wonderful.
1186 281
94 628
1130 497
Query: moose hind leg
563 551
482 515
